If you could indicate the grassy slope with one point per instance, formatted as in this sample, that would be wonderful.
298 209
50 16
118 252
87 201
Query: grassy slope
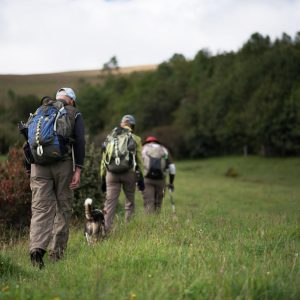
235 237
47 84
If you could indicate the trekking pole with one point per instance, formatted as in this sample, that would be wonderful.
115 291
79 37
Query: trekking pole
172 201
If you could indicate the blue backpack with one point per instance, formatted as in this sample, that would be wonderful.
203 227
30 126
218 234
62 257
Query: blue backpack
49 133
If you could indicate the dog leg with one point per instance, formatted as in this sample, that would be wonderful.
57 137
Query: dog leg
88 238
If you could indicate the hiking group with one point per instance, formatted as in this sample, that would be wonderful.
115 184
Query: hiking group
54 157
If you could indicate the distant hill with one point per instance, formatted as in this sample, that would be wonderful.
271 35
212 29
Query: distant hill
46 84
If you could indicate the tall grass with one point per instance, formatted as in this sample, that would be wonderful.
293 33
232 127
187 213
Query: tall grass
234 237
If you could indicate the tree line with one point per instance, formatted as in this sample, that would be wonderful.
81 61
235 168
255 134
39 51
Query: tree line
238 102
246 101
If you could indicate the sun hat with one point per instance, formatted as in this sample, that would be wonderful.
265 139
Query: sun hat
151 139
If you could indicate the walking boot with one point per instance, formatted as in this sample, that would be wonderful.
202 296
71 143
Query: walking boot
36 257
55 255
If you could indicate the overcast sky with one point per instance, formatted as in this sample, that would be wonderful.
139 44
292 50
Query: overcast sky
42 36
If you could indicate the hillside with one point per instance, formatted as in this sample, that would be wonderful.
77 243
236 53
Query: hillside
47 84
229 103
234 238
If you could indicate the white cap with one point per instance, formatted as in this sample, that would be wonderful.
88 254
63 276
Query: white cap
65 91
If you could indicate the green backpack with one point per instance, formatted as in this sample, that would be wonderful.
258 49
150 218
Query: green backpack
120 152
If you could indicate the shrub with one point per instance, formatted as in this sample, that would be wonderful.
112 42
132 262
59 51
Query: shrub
8 136
15 194
169 136
90 180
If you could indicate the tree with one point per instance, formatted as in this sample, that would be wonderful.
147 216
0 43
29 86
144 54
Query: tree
111 66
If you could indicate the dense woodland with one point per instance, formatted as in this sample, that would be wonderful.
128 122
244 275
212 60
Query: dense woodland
230 103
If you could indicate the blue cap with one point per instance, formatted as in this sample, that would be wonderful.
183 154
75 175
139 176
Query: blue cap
128 118
66 92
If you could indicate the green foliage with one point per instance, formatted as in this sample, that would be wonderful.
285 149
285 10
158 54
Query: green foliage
8 135
111 65
235 238
93 108
18 108
90 181
217 104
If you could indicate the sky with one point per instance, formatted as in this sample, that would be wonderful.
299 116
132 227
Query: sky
45 36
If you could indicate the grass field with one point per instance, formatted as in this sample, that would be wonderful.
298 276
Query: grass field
234 238
47 84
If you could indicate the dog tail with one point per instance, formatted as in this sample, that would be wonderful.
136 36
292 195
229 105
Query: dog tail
88 208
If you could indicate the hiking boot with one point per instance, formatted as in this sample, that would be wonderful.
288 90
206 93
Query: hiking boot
55 256
36 257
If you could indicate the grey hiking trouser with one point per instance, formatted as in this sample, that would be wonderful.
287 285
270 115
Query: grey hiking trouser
153 195
51 206
114 182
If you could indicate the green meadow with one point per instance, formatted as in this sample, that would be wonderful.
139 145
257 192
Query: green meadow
233 237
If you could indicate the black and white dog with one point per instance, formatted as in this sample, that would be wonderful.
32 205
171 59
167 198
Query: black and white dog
94 229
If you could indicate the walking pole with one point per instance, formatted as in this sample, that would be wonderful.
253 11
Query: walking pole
172 201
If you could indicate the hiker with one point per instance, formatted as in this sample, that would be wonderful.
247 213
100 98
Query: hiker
55 172
121 166
157 161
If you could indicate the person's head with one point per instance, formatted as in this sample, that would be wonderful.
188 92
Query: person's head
66 94
128 120
151 139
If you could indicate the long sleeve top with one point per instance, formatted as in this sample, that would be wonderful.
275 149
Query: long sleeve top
79 143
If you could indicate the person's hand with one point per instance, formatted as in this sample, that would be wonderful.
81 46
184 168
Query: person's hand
103 185
27 172
27 167
171 187
141 184
75 179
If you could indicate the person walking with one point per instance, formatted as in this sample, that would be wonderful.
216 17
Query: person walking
121 167
55 173
157 162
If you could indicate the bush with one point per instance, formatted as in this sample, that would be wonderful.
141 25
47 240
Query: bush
171 137
8 136
15 194
90 180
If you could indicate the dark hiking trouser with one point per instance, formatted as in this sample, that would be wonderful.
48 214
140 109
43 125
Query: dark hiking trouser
114 182
51 206
153 195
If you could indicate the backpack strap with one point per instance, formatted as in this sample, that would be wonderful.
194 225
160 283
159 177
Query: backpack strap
39 149
72 113
57 116
133 152
107 154
117 158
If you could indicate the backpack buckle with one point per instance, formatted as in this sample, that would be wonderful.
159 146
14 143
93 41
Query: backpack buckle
39 150
117 161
